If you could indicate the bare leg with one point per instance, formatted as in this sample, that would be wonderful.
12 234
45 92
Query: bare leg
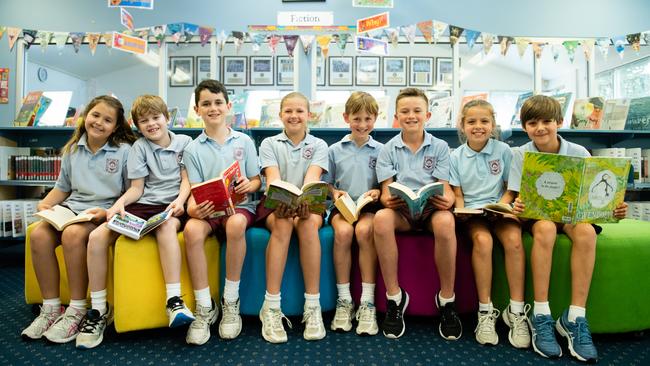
195 233
544 234
74 240
583 258
443 226
98 242
236 248
277 251
385 223
343 235
509 234
482 245
43 240
169 250
367 253
310 251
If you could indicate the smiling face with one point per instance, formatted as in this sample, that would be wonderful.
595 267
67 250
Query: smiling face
100 123
543 133
294 114
213 108
412 113
477 125
361 124
153 127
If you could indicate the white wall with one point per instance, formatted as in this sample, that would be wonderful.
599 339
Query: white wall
127 83
56 81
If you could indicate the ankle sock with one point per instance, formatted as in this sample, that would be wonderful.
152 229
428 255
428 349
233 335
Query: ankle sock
80 305
397 298
203 298
98 301
485 308
273 301
343 290
231 291
516 307
173 289
443 301
312 300
54 303
576 312
541 308
368 292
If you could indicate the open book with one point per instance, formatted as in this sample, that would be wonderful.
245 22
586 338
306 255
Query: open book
60 217
221 190
314 193
491 211
351 209
417 202
571 189
134 227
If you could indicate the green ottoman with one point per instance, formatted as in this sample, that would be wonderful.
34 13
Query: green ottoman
620 287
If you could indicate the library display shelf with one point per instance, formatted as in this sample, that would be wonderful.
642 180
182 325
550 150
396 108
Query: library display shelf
27 183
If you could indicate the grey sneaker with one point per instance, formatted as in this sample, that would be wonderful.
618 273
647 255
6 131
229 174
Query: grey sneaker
230 324
343 316
66 327
485 331
43 321
91 333
314 327
199 331
367 319
272 327
519 334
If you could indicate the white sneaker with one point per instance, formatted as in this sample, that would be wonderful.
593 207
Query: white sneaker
519 334
66 327
314 327
43 321
272 327
91 331
485 329
230 324
178 313
367 319
199 331
343 316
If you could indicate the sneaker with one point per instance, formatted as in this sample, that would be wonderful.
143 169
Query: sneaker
485 331
543 336
393 325
91 331
66 327
519 334
272 327
343 316
367 319
450 327
314 327
230 324
43 321
578 336
199 331
178 313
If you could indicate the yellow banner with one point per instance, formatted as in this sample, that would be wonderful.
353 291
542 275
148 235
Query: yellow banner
130 44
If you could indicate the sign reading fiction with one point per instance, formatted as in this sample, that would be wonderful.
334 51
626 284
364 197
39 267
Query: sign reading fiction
305 18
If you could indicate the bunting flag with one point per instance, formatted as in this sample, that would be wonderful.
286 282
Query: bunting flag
454 34
488 41
635 41
555 51
158 32
29 36
324 43
307 40
77 38
644 35
603 46
222 37
426 28
619 45
257 39
393 36
126 19
438 29
471 36
60 38
175 30
537 49
238 39
409 32
522 45
142 33
108 40
342 40
274 40
205 33
12 36
570 47
290 42
2 31
588 48
189 31
93 40
45 38
505 42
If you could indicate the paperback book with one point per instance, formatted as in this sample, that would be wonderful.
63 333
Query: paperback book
221 190
417 203
60 217
135 227
349 208
28 110
314 193
490 211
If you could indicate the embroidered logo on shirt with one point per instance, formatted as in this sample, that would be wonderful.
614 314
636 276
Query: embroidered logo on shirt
179 157
372 163
308 153
111 165
495 166
238 153
429 163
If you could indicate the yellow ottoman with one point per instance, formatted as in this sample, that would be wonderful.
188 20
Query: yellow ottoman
140 287
32 290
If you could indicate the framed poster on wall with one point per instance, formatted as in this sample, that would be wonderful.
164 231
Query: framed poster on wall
203 69
421 71
395 73
368 71
444 72
234 70
284 69
4 85
320 67
181 71
340 70
261 70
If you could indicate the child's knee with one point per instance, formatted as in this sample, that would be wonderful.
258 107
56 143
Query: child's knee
343 234
482 242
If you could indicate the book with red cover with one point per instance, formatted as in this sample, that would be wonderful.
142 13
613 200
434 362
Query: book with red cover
221 190
27 113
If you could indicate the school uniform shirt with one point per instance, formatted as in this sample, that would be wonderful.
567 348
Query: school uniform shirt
429 164
159 166
352 167
93 180
566 148
481 175
293 160
204 158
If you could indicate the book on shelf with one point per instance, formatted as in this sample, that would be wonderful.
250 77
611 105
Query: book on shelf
28 110
638 115
572 189
7 166
615 114
417 203
6 218
60 217
314 193
349 208
515 121
135 227
588 113
496 210
565 100
221 190
43 105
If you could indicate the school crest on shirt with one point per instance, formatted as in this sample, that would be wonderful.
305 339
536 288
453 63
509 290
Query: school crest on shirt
429 163
372 162
179 157
238 153
112 165
495 166
308 152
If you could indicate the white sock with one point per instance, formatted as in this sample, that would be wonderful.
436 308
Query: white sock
273 301
541 308
576 312
397 298
231 290
444 301
98 301
80 305
368 292
516 307
343 290
173 289
312 300
54 303
203 297
485 308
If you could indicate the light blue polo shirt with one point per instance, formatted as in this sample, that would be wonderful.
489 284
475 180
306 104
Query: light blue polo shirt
429 164
293 160
352 167
566 148
93 180
160 166
204 159
481 175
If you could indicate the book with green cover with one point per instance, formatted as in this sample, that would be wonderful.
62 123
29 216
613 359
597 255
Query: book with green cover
572 189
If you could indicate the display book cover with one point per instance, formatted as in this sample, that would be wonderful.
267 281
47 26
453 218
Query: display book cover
135 227
221 190
32 104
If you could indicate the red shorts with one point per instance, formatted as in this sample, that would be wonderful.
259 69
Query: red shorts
371 208
218 224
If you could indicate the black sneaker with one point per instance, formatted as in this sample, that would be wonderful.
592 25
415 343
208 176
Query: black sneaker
450 327
393 325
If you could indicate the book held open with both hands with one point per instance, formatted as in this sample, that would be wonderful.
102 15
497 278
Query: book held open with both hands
417 202
314 193
221 190
60 217
134 227
491 211
351 209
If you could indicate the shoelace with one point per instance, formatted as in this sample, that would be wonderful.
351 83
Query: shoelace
229 312
583 335
393 311
201 317
448 316
273 318
70 320
519 324
366 313
89 325
544 327
486 322
343 309
312 317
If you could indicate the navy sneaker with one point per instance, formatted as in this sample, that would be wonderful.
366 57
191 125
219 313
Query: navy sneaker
450 327
544 341
578 336
393 325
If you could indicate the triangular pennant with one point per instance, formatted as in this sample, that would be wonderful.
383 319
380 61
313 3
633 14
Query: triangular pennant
324 43
2 31
189 31
60 38
29 36
108 40
238 39
438 29
126 19
619 45
93 40
570 47
603 46
257 39
158 33
488 41
635 41
505 42
454 34
222 37
537 49
409 32
142 33
290 41
274 40
522 45
77 38
393 35
588 48
175 30
426 28
45 38
342 40
205 33
645 36
555 51
12 36
307 40
471 36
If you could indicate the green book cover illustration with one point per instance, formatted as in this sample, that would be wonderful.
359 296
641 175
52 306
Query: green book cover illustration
572 189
